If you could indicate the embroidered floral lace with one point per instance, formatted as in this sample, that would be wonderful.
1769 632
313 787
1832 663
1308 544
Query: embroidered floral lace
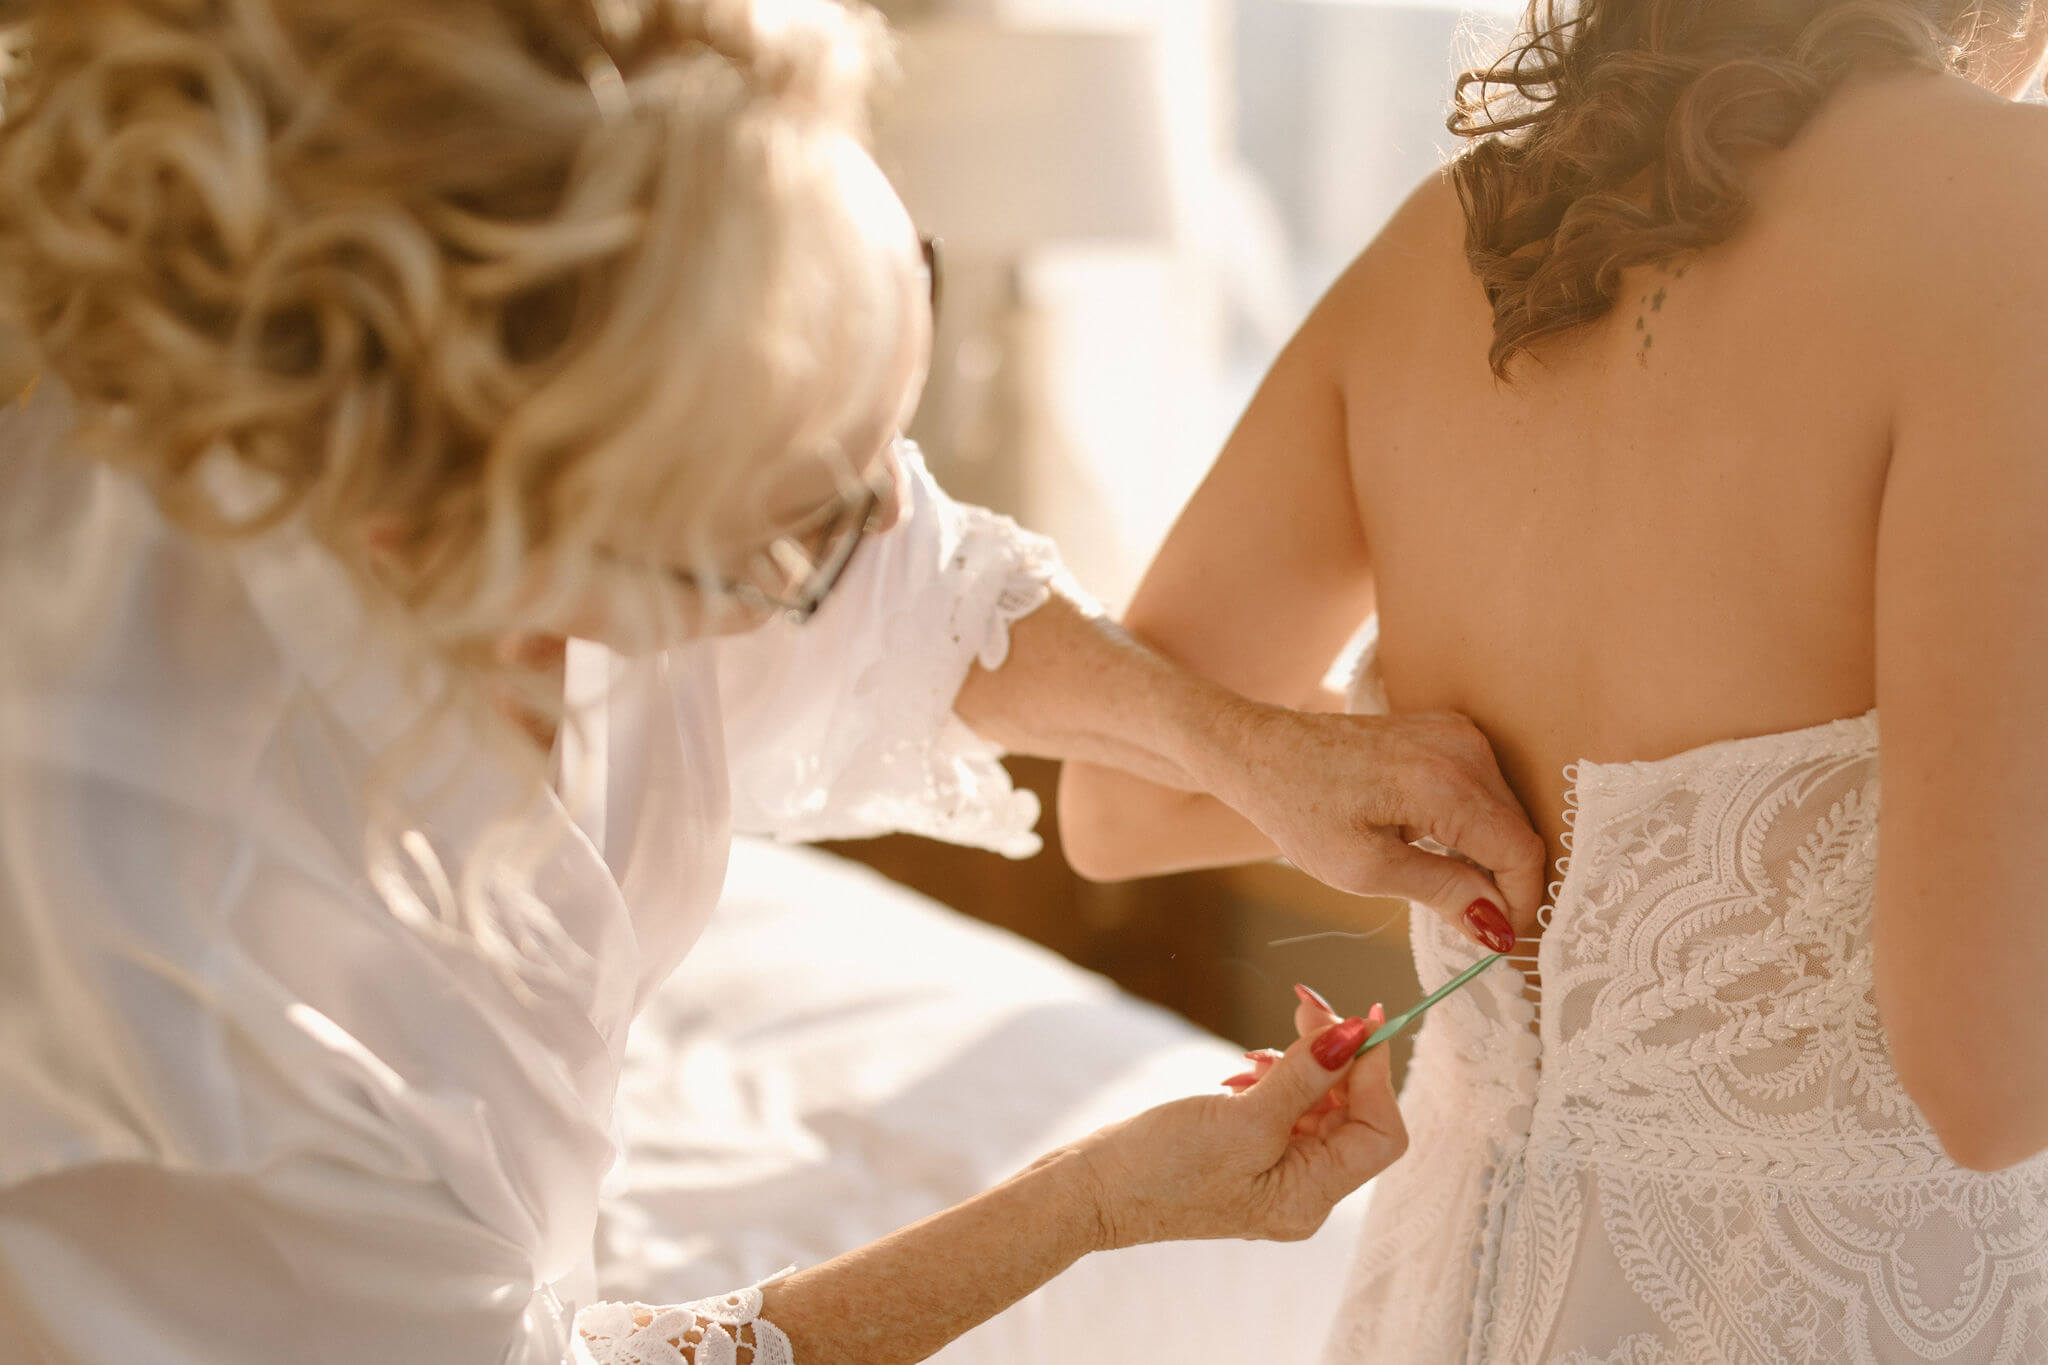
728 1330
874 747
1700 1152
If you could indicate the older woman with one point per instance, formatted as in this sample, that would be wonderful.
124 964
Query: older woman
459 488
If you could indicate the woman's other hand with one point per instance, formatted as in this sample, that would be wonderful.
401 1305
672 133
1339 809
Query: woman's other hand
1268 1162
1345 797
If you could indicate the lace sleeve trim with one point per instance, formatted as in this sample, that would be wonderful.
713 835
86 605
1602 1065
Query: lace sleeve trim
915 766
708 1332
923 771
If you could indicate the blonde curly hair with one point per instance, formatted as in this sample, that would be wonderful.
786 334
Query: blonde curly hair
506 303
486 293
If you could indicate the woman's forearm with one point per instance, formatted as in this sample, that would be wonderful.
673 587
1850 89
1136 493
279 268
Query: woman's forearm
1146 743
1340 796
1143 739
1077 686
902 1298
1241 1165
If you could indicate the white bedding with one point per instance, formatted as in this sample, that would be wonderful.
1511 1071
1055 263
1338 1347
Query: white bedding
840 1056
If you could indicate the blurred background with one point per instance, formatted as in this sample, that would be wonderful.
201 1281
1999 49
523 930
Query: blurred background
1139 200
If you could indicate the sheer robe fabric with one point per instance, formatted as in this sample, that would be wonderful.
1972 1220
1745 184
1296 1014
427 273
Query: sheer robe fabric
246 1113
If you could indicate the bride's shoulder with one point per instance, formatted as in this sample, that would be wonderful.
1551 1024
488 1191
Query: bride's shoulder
1432 213
1411 277
1427 230
1922 121
1928 165
1920 204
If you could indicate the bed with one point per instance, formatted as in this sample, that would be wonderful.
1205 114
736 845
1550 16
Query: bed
841 1056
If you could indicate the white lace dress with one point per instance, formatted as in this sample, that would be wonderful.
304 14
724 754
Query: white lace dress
1701 1152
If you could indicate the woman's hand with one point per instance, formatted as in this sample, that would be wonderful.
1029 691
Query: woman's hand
1345 797
1268 1162
1311 1016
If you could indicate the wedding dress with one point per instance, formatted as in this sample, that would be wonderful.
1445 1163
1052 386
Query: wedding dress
1694 1147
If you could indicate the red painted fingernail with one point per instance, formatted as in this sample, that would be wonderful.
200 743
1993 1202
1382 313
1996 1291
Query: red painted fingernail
1239 1082
1264 1054
1491 925
1309 997
1334 1046
1376 1016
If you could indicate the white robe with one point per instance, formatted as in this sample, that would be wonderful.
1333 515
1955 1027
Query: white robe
249 1114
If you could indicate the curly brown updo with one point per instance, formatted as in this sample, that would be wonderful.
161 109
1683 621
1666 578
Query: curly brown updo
1613 133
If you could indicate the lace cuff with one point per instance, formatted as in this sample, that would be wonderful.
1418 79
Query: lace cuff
707 1332
844 727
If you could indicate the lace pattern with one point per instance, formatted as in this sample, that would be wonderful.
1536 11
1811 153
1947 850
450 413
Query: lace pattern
1705 1155
885 752
727 1330
922 770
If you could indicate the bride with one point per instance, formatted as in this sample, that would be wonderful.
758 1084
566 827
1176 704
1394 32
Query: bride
1689 423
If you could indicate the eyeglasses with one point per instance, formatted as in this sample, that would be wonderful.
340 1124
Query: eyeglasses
794 573
933 278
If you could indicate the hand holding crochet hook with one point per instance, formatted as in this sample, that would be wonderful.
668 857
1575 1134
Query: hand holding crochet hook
1313 1018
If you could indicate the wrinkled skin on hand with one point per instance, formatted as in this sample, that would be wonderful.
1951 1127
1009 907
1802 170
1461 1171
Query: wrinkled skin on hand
1345 797
1268 1162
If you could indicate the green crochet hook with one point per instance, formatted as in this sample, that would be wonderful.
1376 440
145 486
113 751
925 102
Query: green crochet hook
1404 1019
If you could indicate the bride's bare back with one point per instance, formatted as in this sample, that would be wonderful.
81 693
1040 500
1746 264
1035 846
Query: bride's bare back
1664 531
1799 475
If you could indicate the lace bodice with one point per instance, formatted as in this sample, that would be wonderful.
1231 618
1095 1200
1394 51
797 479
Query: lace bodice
1701 1153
